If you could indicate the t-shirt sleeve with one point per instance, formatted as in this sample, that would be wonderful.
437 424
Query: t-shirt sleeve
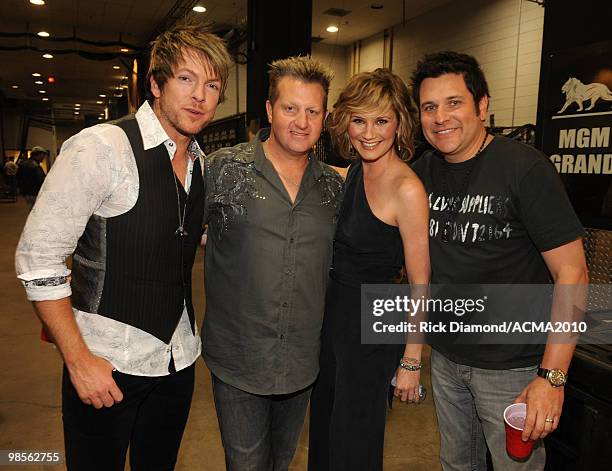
545 207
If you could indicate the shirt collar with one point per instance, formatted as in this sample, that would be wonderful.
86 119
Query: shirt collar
153 133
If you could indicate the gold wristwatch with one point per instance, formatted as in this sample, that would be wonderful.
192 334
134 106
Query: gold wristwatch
555 377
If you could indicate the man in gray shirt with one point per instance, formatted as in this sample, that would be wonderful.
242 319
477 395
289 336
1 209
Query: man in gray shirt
271 209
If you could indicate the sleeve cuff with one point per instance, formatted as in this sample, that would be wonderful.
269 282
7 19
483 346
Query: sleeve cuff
46 285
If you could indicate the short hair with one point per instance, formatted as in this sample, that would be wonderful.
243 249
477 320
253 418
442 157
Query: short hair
302 68
450 62
370 91
188 36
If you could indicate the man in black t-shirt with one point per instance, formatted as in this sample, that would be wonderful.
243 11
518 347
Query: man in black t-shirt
499 215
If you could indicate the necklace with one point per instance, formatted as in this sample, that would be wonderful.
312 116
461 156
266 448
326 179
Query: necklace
455 200
288 180
282 175
180 231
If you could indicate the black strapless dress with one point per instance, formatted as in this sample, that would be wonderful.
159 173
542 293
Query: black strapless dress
349 399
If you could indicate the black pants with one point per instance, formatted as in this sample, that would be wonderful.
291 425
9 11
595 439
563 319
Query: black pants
348 404
150 419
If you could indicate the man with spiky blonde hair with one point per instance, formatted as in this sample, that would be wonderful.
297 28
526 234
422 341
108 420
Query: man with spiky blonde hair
126 200
271 208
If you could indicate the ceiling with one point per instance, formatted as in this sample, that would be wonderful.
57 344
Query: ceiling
131 24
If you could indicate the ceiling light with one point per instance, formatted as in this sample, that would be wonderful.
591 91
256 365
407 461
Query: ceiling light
102 95
37 2
38 82
48 56
45 98
77 104
99 102
76 112
99 118
51 79
332 29
42 91
124 49
199 9
35 74
116 67
15 86
43 34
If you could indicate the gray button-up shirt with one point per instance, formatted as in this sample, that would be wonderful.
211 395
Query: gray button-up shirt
267 263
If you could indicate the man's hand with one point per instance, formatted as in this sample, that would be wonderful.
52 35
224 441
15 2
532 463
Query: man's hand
92 377
543 402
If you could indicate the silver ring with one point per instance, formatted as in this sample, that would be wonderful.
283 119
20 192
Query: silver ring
549 420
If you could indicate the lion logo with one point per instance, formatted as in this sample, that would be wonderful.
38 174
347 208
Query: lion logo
577 92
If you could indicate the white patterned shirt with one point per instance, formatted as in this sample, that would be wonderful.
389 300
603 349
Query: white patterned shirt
96 173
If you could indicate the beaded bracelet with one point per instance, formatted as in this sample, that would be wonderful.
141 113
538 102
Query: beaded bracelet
410 364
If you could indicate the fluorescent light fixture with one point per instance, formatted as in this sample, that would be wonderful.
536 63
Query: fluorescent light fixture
124 49
77 104
332 29
48 56
39 82
15 86
35 74
99 102
37 2
45 98
116 67
102 95
43 34
42 91
99 118
199 9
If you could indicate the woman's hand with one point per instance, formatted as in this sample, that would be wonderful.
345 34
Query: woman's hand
407 385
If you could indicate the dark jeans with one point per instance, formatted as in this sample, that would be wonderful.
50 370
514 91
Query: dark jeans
259 433
150 419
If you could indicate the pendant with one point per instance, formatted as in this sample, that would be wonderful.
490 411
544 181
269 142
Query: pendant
180 232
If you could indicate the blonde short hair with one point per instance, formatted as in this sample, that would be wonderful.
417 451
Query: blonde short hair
187 37
302 68
370 91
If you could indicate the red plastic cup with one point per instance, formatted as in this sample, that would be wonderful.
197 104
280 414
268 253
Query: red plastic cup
514 420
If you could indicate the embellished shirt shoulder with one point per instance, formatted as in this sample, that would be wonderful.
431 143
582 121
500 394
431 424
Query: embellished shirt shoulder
230 177
332 186
240 153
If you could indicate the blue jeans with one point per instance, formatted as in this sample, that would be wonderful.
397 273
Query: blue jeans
470 404
259 433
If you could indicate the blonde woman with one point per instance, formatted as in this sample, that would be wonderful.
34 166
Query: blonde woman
382 228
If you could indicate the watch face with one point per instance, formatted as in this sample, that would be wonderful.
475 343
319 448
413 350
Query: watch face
557 377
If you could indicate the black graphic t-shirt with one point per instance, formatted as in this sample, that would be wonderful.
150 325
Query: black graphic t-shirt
511 207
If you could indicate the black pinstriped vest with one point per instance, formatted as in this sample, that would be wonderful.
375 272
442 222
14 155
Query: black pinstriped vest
133 268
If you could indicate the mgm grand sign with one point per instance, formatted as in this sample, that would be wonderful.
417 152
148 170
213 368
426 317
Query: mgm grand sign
577 127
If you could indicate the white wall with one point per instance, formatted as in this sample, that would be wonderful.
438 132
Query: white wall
333 57
235 93
505 36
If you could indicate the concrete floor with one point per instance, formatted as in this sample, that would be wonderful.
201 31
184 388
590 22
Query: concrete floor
30 414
